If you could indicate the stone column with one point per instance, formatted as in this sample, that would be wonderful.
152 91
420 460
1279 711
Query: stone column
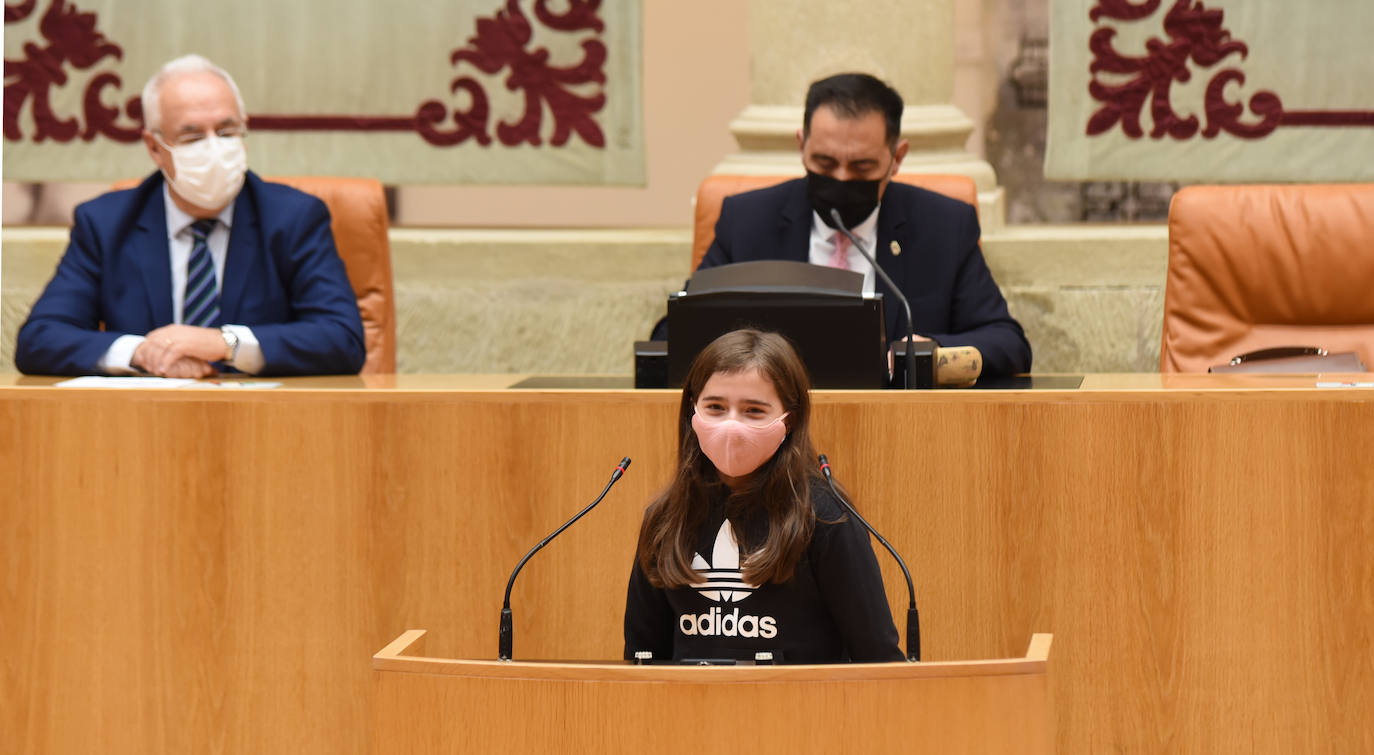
908 43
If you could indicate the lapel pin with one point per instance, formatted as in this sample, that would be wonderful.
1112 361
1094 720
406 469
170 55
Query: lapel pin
895 247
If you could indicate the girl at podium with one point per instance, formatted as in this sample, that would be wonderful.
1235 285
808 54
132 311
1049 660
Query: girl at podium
747 550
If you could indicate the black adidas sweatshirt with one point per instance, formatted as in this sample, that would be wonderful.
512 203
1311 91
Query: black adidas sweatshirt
832 610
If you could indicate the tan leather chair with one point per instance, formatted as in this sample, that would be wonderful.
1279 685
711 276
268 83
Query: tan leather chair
1254 267
357 212
715 189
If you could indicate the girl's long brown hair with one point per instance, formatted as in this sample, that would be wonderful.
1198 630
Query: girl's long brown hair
780 489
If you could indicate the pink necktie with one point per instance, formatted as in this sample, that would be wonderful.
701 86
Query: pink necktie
840 258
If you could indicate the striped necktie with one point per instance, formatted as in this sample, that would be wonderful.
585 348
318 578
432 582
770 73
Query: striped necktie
201 305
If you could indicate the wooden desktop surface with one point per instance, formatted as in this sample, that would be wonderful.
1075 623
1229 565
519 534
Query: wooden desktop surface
428 705
196 569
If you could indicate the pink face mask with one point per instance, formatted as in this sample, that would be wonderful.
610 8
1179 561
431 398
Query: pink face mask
736 448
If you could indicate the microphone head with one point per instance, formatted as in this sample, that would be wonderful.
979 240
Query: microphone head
835 216
825 465
625 463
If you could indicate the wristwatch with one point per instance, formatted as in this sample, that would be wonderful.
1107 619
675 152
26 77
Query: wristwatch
231 344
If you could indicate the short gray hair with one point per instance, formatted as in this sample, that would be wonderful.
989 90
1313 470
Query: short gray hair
152 112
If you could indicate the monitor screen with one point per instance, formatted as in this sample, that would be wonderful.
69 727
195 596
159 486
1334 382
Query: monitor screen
837 329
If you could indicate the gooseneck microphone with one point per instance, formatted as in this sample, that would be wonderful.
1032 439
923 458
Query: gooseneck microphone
906 306
913 619
507 625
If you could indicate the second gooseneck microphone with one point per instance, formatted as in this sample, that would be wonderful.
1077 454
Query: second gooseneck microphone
906 305
505 640
913 619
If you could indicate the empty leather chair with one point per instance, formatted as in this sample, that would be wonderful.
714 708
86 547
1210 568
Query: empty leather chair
1258 267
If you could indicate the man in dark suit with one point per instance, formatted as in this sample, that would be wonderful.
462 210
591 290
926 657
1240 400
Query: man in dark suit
926 242
203 266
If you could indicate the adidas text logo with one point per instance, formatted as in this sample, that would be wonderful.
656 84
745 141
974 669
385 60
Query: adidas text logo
716 623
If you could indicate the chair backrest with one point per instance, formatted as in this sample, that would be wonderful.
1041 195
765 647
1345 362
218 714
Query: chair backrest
1253 267
716 188
358 218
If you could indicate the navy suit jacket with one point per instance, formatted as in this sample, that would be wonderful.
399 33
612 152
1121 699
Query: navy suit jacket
282 277
954 300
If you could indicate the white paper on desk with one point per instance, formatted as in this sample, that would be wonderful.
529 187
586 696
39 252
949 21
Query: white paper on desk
1355 384
102 381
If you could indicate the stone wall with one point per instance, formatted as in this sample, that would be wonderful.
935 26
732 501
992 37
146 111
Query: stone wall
572 302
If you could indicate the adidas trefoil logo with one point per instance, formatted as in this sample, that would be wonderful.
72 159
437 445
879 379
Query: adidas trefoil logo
724 580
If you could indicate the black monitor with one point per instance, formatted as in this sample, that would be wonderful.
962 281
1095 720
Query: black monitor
837 329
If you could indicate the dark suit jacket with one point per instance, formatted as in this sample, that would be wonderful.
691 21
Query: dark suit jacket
282 277
941 270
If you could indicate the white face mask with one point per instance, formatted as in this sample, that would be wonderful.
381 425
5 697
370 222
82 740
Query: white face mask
209 171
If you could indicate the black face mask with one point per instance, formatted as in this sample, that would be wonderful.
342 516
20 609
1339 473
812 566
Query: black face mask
854 199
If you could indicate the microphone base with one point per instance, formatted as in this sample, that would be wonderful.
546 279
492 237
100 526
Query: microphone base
505 637
925 364
913 635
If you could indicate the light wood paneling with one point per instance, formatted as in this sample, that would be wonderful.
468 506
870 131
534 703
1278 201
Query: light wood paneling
211 570
426 705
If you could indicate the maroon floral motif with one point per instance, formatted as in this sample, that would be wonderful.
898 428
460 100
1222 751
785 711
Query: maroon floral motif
499 44
1123 10
581 14
19 12
471 123
1196 36
74 40
1225 116
100 120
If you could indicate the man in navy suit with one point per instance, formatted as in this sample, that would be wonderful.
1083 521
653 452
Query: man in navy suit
204 266
927 243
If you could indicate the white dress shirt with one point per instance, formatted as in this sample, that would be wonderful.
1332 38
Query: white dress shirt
823 245
248 358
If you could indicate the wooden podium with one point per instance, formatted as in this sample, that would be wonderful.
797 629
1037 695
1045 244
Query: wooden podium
435 705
